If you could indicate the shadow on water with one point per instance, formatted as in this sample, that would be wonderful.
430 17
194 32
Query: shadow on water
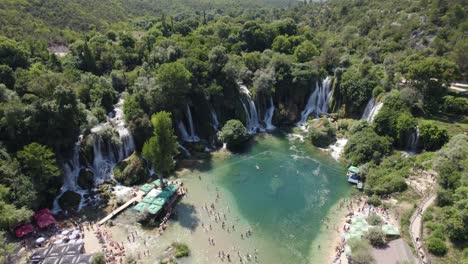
185 214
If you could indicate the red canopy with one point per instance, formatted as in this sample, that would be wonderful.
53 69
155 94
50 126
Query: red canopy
24 230
44 218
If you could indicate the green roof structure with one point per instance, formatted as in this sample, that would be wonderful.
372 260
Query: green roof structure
165 194
141 206
148 199
146 187
390 230
172 188
157 182
159 201
154 208
358 219
353 169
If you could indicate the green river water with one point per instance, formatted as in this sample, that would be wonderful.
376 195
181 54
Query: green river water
283 188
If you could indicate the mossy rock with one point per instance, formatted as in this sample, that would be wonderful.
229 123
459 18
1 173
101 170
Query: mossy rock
131 171
86 179
321 132
87 150
70 200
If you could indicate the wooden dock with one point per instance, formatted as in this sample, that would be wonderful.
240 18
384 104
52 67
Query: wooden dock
139 196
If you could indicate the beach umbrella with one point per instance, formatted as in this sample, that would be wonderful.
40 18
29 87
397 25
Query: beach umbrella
40 240
73 241
75 232
65 232
72 237
79 241
60 241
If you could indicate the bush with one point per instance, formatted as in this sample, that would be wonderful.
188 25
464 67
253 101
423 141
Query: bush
365 146
374 200
375 236
455 105
436 246
99 258
321 132
234 133
374 219
131 171
361 251
431 136
182 250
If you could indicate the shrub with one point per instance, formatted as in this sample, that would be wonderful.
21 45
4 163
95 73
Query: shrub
431 136
361 251
375 236
374 200
455 105
234 133
365 146
436 246
99 258
182 250
374 219
321 132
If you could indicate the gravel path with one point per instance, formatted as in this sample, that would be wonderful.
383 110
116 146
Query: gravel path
416 227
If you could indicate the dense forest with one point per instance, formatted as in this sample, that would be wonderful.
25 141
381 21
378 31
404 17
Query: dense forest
64 65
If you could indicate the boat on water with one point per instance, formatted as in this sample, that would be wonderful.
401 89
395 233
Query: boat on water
353 175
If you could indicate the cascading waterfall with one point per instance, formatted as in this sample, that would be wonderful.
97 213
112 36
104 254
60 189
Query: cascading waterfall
269 115
412 144
214 119
186 136
371 110
253 124
317 102
184 150
71 171
106 154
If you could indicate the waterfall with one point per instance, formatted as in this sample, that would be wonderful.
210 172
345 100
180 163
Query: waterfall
269 116
253 125
317 102
214 119
107 153
185 151
371 110
412 144
186 136
71 171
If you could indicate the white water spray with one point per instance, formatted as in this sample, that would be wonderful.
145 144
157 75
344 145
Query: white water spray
253 125
371 110
190 135
317 102
269 116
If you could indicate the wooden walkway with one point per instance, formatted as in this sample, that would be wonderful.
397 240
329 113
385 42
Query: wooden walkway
137 198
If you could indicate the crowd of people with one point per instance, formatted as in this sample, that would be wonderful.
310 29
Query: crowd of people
217 217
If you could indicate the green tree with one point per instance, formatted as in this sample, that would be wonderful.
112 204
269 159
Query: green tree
365 146
436 246
174 82
282 44
38 163
234 133
431 136
99 258
6 76
9 214
161 148
305 51
375 236
12 53
6 248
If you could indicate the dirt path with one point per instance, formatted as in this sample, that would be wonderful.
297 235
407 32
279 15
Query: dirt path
416 227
